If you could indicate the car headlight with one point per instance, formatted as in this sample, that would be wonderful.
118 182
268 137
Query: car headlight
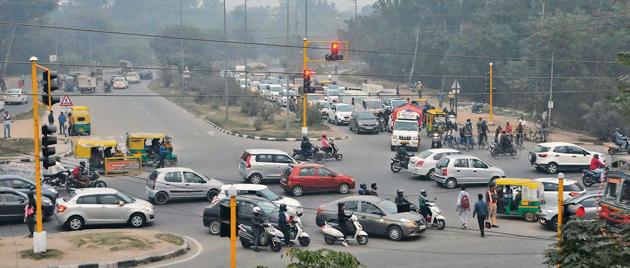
148 209
415 138
395 137
408 222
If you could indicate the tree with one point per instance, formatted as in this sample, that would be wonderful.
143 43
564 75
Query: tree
622 99
197 54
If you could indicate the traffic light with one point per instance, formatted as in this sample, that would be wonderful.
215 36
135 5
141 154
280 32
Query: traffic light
48 139
307 82
47 98
334 52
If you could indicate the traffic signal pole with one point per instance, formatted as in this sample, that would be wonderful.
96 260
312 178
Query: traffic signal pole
560 211
491 92
232 230
304 96
39 237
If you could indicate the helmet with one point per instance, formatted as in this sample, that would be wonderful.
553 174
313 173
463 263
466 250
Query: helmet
423 192
399 192
596 156
304 138
362 186
617 130
373 186
256 210
283 207
340 205
82 163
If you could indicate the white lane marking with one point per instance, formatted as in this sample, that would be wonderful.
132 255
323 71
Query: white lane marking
211 133
199 250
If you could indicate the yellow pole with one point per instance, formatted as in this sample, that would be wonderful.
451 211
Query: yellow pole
491 92
233 231
304 97
560 211
38 182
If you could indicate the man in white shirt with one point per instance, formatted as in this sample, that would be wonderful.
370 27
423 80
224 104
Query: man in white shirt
521 121
463 206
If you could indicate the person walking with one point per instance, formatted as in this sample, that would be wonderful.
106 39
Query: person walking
21 81
7 124
491 199
481 211
162 156
463 206
29 214
62 123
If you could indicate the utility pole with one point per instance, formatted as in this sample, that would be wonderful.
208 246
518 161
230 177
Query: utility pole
225 65
8 53
181 48
39 237
245 52
305 20
415 54
491 114
355 10
286 70
560 211
304 95
550 103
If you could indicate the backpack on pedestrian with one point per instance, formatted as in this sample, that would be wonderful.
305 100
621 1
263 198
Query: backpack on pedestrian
465 202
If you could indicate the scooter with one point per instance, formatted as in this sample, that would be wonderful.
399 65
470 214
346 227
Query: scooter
334 154
614 148
396 164
271 237
93 182
333 233
316 155
436 140
297 234
436 219
589 177
496 151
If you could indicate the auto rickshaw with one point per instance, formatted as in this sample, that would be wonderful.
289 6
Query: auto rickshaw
80 121
96 150
436 121
615 203
519 197
147 146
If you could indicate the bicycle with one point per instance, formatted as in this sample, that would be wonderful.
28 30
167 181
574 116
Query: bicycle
542 136
482 140
519 142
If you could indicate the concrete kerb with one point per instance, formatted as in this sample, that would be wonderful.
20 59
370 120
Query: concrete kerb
181 250
232 133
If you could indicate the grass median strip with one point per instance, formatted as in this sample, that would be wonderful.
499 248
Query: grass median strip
170 238
49 254
113 241
15 147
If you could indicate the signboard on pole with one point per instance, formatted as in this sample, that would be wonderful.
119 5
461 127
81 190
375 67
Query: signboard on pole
66 101
455 85
52 58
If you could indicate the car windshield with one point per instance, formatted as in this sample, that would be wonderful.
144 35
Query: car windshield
443 163
388 206
425 154
126 198
332 92
541 149
344 108
366 116
118 79
132 74
573 187
375 104
269 195
275 88
70 195
324 104
406 125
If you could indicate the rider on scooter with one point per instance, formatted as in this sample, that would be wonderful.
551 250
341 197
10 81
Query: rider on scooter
505 144
326 145
343 219
620 140
257 227
596 166
422 203
80 174
306 147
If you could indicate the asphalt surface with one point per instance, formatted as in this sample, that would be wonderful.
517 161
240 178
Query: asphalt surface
366 157
16 109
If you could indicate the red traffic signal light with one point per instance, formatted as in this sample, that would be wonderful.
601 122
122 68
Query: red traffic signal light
307 74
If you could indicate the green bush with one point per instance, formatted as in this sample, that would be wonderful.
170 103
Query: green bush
321 258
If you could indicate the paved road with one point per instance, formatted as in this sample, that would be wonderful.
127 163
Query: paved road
16 109
366 157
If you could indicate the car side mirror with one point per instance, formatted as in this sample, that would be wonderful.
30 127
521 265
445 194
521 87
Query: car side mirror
334 175
121 203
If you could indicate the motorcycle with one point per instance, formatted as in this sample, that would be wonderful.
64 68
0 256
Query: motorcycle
271 237
93 181
333 232
496 151
316 155
396 164
334 153
436 140
589 177
614 148
297 234
57 180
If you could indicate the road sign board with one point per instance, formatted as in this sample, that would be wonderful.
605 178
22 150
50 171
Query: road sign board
550 104
52 58
66 101
455 85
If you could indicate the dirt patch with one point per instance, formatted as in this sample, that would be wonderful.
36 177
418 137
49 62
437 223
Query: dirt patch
113 241
49 254
16 147
171 238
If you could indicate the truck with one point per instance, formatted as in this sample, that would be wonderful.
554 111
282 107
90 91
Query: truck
86 83
125 66
406 130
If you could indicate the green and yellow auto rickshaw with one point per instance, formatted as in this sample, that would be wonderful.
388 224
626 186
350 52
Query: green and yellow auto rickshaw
435 121
147 146
80 121
519 198
96 150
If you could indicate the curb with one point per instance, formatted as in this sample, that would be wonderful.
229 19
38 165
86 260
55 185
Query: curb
183 249
263 138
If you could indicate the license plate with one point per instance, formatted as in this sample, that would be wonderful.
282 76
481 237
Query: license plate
404 142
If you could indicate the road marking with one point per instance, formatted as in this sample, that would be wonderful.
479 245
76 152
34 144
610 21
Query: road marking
199 250
211 133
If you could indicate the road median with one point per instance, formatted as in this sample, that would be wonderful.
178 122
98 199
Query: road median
94 248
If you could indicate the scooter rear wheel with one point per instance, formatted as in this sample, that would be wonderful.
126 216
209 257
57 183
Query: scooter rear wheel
245 243
275 246
329 240
338 157
304 241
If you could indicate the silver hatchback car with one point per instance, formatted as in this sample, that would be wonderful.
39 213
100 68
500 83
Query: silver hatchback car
257 165
453 170
101 206
177 183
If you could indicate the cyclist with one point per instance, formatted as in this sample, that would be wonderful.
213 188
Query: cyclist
520 132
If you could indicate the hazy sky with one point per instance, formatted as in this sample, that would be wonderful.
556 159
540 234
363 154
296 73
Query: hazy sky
340 4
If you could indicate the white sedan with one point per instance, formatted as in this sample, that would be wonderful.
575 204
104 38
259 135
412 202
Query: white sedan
571 188
424 163
15 96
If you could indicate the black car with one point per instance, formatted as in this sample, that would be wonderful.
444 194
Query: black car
363 122
146 75
245 206
25 186
12 205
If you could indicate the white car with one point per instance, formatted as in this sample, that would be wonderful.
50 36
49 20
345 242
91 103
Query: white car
571 188
423 164
119 82
555 156
132 77
1 106
340 113
274 92
164 184
15 96
260 191
91 206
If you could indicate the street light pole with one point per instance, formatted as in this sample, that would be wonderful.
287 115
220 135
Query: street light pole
355 10
305 19
225 65
286 69
181 48
550 103
491 113
245 52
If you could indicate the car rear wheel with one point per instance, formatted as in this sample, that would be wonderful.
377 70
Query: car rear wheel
552 168
255 179
160 198
430 173
394 233
137 220
214 227
75 223
297 191
344 188
450 183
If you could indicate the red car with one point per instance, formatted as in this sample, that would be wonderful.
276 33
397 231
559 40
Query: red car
302 178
